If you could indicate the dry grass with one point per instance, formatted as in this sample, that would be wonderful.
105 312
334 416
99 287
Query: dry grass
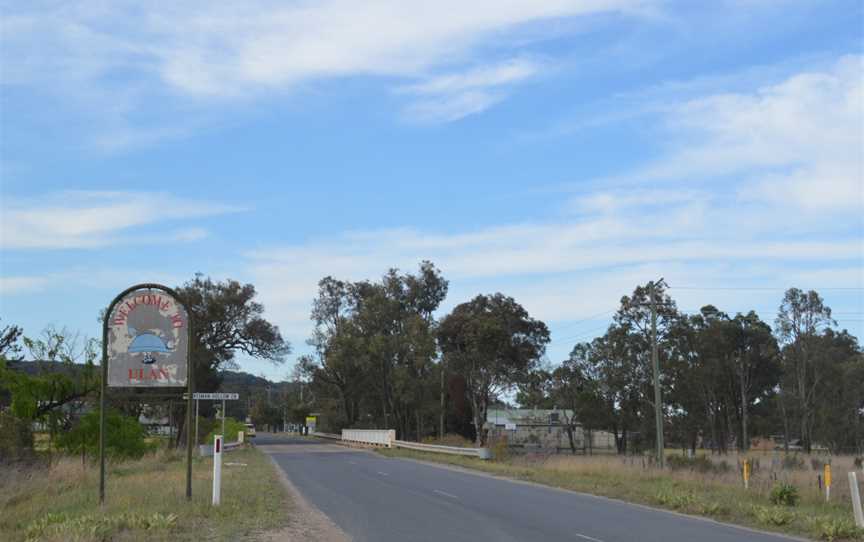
145 500
717 493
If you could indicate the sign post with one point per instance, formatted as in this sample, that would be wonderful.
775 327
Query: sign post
217 469
145 344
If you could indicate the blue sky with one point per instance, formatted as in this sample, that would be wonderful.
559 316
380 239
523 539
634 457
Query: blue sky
558 151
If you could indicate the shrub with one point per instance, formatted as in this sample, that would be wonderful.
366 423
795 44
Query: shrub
859 462
232 427
784 494
675 500
831 529
773 515
16 439
125 438
500 450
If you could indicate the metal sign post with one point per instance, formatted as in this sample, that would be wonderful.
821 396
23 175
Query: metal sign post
146 343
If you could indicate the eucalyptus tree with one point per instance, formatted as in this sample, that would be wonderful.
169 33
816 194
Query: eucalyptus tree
493 343
801 318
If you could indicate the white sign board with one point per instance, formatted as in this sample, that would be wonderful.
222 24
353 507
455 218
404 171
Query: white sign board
148 341
510 426
215 396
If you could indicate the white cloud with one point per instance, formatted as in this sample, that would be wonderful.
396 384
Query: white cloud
798 142
781 214
21 285
453 96
95 219
209 49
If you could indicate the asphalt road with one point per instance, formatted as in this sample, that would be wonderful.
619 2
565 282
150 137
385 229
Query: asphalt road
375 498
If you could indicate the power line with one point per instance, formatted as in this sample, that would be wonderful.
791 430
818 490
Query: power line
589 318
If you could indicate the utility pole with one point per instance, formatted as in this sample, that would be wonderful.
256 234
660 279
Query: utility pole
655 361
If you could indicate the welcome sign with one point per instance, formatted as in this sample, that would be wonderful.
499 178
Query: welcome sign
147 340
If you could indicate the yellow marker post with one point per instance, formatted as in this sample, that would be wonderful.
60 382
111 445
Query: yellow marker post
746 474
827 482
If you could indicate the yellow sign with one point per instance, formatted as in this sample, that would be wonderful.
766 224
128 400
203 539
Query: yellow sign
310 420
746 470
827 475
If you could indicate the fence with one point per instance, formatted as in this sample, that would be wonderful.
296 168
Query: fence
387 438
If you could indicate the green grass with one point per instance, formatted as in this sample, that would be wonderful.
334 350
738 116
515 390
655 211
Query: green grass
714 496
146 500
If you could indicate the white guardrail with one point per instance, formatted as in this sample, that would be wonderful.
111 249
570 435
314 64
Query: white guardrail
387 438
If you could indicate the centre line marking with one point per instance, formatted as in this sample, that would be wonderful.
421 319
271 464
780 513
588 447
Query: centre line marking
586 537
438 491
383 473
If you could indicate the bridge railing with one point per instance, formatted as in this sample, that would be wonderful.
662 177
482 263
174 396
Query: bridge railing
387 438
375 437
480 453
327 435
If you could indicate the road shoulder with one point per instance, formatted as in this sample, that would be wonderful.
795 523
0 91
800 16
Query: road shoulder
310 524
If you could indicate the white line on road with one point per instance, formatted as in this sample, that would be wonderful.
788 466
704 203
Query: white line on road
586 537
383 473
438 491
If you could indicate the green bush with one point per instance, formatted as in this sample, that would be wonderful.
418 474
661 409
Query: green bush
784 494
16 439
831 529
232 427
775 516
125 438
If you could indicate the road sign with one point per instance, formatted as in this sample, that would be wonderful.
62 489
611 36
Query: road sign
147 333
215 396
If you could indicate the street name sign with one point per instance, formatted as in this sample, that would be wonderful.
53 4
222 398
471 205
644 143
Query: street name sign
216 396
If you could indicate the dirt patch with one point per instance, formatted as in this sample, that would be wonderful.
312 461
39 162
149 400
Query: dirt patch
311 524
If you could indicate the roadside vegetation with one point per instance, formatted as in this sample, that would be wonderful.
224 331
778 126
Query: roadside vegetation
787 501
146 499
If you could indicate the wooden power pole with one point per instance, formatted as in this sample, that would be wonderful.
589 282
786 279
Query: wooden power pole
655 362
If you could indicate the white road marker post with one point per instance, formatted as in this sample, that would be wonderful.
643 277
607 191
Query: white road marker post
217 469
856 500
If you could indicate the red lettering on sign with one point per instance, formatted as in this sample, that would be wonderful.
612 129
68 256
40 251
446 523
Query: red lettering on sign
155 373
176 320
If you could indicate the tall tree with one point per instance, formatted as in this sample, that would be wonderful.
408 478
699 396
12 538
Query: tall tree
226 321
801 318
493 343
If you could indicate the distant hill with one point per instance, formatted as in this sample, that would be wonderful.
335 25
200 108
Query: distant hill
250 387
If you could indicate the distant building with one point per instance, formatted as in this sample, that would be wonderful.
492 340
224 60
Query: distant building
542 429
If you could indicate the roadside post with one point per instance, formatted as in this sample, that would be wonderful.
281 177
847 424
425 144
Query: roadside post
223 415
746 474
827 482
217 469
146 347
856 500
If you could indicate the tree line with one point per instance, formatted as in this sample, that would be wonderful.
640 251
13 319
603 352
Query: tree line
382 359
384 356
